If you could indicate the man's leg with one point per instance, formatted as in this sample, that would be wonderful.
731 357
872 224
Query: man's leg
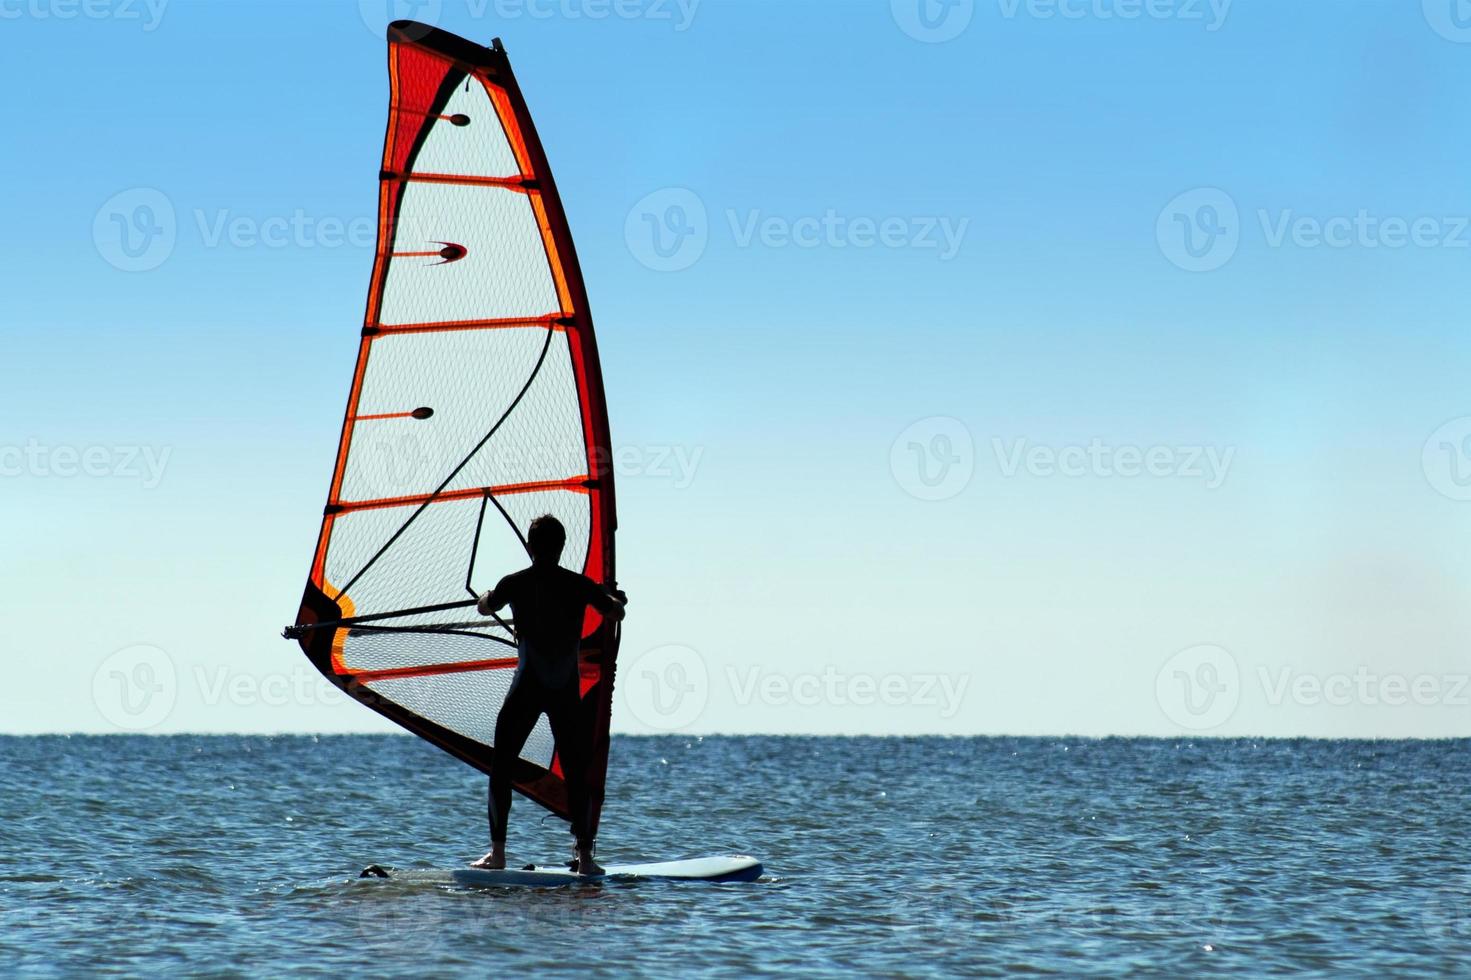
571 737
512 727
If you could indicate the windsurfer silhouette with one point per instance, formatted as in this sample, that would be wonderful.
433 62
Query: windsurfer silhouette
548 603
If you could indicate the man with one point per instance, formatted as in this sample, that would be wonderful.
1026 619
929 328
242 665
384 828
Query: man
548 603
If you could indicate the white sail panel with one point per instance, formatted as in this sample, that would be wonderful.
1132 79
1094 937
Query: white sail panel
504 272
478 148
457 701
542 439
426 564
468 379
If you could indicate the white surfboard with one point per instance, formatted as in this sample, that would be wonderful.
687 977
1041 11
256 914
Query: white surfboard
715 869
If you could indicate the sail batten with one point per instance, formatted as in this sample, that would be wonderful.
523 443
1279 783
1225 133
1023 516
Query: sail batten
573 484
477 383
526 185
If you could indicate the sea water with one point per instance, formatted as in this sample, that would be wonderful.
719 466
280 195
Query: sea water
239 856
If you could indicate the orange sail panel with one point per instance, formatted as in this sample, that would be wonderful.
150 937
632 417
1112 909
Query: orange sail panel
476 404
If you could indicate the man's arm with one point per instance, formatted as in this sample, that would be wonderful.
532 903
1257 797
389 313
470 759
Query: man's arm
495 600
609 602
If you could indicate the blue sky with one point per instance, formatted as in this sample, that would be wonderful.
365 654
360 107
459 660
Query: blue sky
1081 367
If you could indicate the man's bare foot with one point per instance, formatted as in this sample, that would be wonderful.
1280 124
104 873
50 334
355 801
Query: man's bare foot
494 861
585 864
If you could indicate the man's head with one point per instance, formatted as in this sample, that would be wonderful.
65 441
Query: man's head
545 540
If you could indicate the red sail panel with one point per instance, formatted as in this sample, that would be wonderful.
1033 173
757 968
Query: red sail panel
476 405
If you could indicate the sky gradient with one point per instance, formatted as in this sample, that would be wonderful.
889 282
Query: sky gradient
1071 368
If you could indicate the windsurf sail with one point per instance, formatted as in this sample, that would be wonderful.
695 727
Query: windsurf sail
476 405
